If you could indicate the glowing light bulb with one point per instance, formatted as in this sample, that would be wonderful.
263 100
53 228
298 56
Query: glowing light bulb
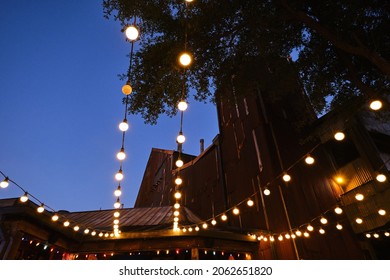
93 233
121 155
298 233
310 228
177 195
213 222
236 211
359 197
359 221
178 181
324 221
41 208
116 222
119 175
176 213
132 33
309 159
339 226
287 236
339 179
127 89
223 217
5 183
339 136
24 198
180 138
306 234
381 178
322 231
176 219
76 228
387 234
117 204
185 59
286 177
266 191
176 206
368 235
338 210
182 106
101 234
179 163
66 223
124 125
118 191
271 238
204 226
54 218
196 228
250 202
376 235
382 212
116 226
116 214
86 231
190 229
280 238
106 235
376 105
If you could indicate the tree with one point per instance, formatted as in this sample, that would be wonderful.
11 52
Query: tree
343 47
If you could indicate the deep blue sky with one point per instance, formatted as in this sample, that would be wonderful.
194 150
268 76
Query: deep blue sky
60 106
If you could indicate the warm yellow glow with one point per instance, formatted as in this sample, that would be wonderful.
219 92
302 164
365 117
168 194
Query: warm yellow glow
185 59
124 125
119 175
204 226
250 202
236 211
116 214
116 222
339 226
106 235
180 138
310 228
132 33
339 136
324 221
121 155
306 234
66 223
368 235
182 105
176 219
266 239
309 159
4 184
118 191
286 177
266 191
54 218
376 235
177 195
86 231
127 89
117 204
280 238
179 163
359 196
359 220
213 222
196 228
190 229
381 178
178 181
338 210
375 105
76 228
339 179
322 231
41 208
177 205
298 233
288 236
387 234
184 230
93 233
24 198
223 217
189 1
382 212
176 213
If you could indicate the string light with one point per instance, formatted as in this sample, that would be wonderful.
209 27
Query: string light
286 177
266 191
250 202
359 197
121 154
321 230
66 223
127 89
339 226
223 217
382 212
338 210
4 184
177 195
359 220
323 221
376 105
309 159
310 228
179 163
132 33
178 181
185 59
76 228
41 208
118 191
54 218
124 126
213 222
117 204
182 106
236 211
24 198
119 175
381 178
116 214
180 138
339 136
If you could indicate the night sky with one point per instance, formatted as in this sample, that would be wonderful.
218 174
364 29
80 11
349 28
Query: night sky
61 103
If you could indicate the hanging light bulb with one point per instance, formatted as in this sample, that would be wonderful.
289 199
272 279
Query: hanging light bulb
387 234
196 228
176 219
24 197
176 213
54 218
106 235
339 136
223 217
236 211
116 214
121 155
177 205
323 220
180 138
41 208
359 197
213 222
266 191
288 236
101 234
375 105
116 222
185 59
204 226
310 228
368 235
382 212
250 202
321 230
177 195
359 221
381 178
178 181
190 229
127 89
119 175
182 106
132 33
339 226
280 238
4 184
124 125
86 231
76 228
309 159
376 235
338 210
66 223
286 177
179 163
117 204
118 191
93 233
298 233
306 234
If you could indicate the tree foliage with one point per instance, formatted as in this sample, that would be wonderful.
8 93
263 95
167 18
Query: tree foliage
343 46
